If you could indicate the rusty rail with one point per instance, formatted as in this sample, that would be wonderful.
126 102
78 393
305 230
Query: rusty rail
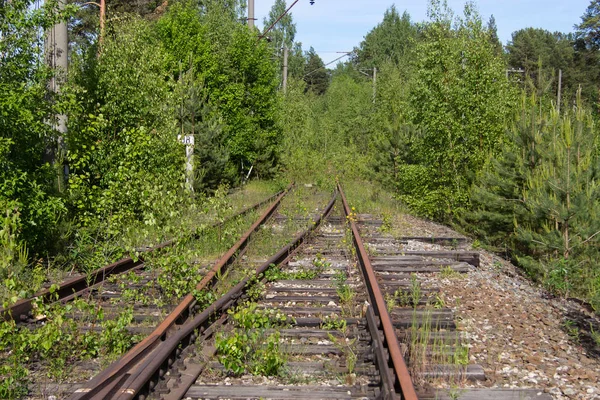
406 387
74 287
103 385
141 367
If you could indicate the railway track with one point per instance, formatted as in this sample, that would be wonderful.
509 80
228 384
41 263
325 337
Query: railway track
82 284
115 306
437 354
304 310
340 311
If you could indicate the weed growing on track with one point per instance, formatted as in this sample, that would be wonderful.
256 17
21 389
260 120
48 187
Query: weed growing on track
448 273
255 288
415 290
247 348
429 346
348 349
274 273
333 322
345 293
59 343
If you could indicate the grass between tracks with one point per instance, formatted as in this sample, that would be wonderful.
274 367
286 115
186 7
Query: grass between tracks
428 344
295 214
251 343
34 359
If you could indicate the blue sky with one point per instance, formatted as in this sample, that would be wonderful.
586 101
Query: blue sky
340 25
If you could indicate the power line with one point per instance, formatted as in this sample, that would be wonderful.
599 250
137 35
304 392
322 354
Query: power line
278 19
329 63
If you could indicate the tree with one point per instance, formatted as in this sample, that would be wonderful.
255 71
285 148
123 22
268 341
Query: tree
589 28
296 61
391 40
315 74
563 197
497 197
283 34
529 46
538 51
461 99
126 162
197 117
84 27
26 182
540 198
493 33
238 74
284 31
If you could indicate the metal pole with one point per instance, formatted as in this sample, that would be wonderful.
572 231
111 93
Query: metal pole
285 67
251 14
559 88
374 84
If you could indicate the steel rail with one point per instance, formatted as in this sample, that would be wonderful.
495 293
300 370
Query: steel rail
74 287
104 384
406 388
145 372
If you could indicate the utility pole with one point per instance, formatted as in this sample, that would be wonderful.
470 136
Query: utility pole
57 42
374 84
285 67
559 89
251 14
102 20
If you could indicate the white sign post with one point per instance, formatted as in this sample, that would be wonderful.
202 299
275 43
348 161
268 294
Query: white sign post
188 140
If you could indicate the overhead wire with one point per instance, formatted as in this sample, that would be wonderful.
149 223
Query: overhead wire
329 63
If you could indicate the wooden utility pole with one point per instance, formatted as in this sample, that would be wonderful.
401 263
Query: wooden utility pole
374 84
57 42
102 21
285 67
251 14
559 89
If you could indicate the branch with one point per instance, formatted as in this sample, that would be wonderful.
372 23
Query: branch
586 240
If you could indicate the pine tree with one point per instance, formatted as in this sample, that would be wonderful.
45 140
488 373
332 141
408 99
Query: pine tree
315 76
493 35
563 197
540 198
198 118
497 201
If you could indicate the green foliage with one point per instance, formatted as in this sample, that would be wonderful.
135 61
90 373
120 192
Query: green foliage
541 197
460 99
390 41
415 290
177 275
326 135
204 298
255 288
246 348
26 182
283 34
249 316
304 273
57 344
334 322
315 74
197 117
590 21
236 71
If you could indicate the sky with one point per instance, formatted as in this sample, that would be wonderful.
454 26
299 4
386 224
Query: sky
332 26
